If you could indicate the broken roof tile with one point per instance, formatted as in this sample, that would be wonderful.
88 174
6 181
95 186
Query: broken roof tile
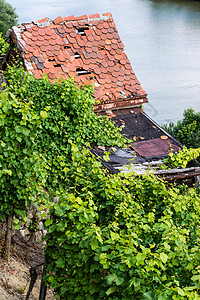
40 59
76 46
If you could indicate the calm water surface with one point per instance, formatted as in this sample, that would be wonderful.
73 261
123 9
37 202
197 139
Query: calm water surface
161 39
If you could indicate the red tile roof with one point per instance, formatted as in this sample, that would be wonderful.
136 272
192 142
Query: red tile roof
87 48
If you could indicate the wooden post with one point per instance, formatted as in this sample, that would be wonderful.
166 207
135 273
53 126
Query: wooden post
43 286
8 235
34 275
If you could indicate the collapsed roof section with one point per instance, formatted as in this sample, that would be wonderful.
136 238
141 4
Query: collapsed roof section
151 145
87 48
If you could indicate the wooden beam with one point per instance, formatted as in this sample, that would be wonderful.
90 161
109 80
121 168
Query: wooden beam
182 176
174 171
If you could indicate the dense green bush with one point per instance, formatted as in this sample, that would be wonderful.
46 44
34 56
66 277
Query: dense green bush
187 130
114 237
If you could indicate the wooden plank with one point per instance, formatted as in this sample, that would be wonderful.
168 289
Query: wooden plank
173 171
182 176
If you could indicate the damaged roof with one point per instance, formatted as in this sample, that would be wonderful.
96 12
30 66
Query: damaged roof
152 144
150 140
87 48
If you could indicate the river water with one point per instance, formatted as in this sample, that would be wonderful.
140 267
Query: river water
161 38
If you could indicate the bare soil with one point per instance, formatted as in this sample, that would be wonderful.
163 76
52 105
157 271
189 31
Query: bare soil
15 276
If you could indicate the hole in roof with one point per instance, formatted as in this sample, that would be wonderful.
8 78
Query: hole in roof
77 55
58 65
81 71
66 47
51 59
81 30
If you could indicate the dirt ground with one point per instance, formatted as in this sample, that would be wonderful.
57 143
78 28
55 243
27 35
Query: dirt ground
15 276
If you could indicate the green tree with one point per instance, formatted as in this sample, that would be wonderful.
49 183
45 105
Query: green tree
8 17
187 130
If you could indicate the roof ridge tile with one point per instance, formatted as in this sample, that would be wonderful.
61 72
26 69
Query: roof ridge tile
70 18
45 23
58 20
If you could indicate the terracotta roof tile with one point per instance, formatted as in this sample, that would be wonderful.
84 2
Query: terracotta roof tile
100 55
87 48
108 47
47 37
37 74
90 38
45 42
61 29
118 51
70 18
81 42
58 20
36 53
42 20
81 17
52 42
104 64
111 30
94 23
40 59
43 48
94 16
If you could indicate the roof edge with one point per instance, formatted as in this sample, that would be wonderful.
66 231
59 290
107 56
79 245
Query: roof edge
59 20
121 104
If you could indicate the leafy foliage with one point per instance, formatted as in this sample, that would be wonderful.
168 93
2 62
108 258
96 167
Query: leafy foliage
187 130
8 17
109 236
182 158
114 237
22 168
3 45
